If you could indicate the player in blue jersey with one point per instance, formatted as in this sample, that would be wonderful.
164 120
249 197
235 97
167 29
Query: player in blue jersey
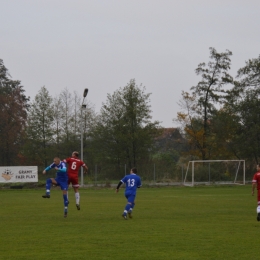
60 180
132 182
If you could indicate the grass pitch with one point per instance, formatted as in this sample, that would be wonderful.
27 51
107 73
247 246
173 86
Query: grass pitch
168 223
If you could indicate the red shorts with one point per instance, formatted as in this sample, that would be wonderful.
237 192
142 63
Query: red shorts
74 180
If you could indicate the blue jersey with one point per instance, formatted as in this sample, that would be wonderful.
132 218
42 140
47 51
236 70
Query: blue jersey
61 173
132 182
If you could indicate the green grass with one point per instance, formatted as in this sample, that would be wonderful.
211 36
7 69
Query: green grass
169 223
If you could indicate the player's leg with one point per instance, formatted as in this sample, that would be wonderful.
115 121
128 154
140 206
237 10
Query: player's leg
65 199
130 200
77 197
49 182
64 188
75 185
69 182
130 211
258 206
127 208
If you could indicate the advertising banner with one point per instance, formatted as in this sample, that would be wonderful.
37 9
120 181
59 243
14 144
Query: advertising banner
19 174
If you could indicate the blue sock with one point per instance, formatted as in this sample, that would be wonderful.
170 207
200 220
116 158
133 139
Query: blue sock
132 206
48 186
65 198
127 207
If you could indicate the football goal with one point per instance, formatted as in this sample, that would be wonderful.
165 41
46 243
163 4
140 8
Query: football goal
215 172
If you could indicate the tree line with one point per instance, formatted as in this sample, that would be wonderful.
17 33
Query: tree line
218 119
220 115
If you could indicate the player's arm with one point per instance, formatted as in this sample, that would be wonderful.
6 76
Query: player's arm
47 168
253 187
85 168
118 186
139 184
63 169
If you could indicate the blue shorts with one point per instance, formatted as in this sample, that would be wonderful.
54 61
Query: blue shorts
130 197
62 183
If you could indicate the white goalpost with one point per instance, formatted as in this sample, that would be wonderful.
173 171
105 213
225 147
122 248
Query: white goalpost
237 169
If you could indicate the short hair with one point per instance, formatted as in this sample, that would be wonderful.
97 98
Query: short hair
76 153
134 170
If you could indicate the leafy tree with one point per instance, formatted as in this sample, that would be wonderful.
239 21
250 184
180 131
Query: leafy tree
247 139
191 124
86 122
124 132
54 126
67 120
58 120
205 95
67 115
41 128
13 107
224 125
243 102
74 120
249 75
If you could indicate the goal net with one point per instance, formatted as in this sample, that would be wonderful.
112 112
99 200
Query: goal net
215 172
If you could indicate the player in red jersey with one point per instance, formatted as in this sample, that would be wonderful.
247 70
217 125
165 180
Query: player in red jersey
256 184
73 165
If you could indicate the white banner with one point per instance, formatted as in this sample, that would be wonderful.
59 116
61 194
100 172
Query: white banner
19 174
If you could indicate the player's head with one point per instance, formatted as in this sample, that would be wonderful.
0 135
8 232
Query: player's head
56 160
75 154
134 170
258 166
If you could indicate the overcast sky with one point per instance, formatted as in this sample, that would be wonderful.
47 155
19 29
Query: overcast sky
102 44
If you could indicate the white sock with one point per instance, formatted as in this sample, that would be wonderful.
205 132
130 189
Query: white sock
77 197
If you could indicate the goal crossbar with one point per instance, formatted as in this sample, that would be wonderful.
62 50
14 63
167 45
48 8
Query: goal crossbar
209 161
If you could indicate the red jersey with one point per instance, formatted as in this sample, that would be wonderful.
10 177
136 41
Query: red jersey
73 165
256 179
